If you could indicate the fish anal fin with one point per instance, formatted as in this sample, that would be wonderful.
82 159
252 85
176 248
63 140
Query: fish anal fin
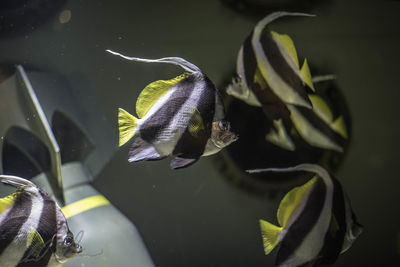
340 127
270 234
196 123
291 200
182 162
34 242
127 126
142 150
287 42
305 71
152 92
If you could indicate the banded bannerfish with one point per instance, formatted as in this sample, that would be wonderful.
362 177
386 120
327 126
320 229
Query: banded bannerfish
182 117
316 221
268 72
269 76
319 127
33 230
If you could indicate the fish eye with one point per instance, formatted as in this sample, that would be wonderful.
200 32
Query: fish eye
223 125
236 79
68 241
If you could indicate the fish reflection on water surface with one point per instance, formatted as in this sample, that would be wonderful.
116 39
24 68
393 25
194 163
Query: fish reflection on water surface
316 221
182 117
33 229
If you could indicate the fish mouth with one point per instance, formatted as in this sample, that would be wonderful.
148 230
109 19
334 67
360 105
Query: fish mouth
78 249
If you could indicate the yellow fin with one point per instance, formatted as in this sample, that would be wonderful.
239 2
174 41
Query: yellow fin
321 108
259 79
334 226
35 242
340 126
291 200
269 233
287 42
196 123
6 202
305 71
127 126
280 136
152 92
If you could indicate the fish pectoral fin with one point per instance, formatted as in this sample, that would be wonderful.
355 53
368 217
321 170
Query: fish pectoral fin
269 233
182 162
153 91
142 150
292 199
196 124
305 71
34 242
279 136
127 126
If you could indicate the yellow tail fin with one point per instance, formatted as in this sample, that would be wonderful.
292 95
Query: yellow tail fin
127 126
269 233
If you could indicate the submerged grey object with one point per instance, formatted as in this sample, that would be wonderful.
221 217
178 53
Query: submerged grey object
83 137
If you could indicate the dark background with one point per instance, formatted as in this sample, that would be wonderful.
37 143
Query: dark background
195 216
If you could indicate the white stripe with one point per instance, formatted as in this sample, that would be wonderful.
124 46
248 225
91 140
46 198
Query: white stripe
312 244
276 83
170 135
12 255
157 105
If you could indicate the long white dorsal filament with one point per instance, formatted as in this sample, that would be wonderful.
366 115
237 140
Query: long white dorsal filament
15 181
186 65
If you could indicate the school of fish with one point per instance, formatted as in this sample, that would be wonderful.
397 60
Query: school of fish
184 118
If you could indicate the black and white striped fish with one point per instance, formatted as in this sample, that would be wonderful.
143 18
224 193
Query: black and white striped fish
268 72
182 117
319 127
33 230
269 77
316 221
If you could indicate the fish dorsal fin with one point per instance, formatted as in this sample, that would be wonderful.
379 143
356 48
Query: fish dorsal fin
6 202
287 42
321 108
152 92
35 242
269 233
291 200
340 126
196 123
305 71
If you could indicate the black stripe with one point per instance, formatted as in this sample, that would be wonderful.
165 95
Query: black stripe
249 61
273 106
304 223
16 218
192 147
154 125
333 243
279 64
47 228
321 125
